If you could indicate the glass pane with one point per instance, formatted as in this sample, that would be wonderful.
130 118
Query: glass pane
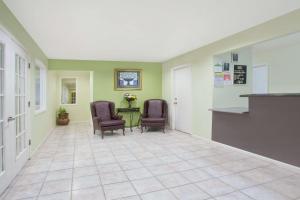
68 91
22 121
1 160
1 81
1 107
37 88
17 109
1 134
22 66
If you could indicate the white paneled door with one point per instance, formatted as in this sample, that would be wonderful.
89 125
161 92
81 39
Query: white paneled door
260 79
183 99
14 147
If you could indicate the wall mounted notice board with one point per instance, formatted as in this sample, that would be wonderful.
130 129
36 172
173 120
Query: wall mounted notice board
240 74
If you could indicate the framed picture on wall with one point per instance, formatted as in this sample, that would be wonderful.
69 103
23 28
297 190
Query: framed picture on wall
128 79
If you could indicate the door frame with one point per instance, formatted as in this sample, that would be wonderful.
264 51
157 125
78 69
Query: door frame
268 72
10 44
172 107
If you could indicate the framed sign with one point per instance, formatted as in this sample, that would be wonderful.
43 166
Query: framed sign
240 74
128 79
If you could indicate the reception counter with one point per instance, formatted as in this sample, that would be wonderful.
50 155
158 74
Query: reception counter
270 126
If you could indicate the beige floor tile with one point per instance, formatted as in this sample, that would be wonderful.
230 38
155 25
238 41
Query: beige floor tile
234 196
189 192
112 167
238 181
196 175
161 195
28 179
147 185
85 182
85 171
289 186
139 173
263 193
113 177
215 187
119 190
52 187
172 180
59 175
161 169
186 165
95 193
130 165
24 191
57 196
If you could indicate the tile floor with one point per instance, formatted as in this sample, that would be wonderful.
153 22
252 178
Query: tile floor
75 164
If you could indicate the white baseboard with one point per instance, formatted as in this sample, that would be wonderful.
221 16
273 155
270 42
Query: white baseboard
78 122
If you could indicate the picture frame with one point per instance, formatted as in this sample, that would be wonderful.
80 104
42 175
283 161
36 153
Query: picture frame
127 79
234 57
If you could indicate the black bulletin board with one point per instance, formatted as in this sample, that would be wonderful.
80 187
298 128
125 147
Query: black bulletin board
240 74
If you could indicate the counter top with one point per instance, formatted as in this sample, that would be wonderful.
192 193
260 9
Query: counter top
272 95
236 110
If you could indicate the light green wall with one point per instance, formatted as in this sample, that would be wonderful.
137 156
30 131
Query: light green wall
201 61
80 111
103 78
42 123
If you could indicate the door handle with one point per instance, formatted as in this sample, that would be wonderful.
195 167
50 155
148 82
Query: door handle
9 119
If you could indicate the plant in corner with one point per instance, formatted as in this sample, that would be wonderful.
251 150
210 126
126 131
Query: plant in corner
129 98
62 117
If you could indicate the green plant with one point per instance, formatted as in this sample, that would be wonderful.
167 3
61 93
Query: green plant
61 111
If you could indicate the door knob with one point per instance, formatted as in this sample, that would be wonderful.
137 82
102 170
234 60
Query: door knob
10 119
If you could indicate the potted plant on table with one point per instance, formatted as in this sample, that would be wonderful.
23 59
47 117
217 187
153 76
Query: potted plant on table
129 98
62 117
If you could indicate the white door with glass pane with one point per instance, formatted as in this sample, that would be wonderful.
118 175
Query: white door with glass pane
14 150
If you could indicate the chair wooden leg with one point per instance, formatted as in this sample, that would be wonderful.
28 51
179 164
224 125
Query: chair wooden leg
102 134
112 131
94 131
124 131
142 129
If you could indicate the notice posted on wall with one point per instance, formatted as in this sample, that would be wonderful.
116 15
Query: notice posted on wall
227 78
240 74
219 79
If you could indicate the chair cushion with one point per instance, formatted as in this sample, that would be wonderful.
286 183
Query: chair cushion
103 111
112 123
155 108
153 120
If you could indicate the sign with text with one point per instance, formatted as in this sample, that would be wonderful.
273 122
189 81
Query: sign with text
240 74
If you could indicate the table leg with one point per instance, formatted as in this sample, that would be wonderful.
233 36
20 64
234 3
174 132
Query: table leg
131 118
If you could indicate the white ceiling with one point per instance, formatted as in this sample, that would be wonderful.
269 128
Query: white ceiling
138 30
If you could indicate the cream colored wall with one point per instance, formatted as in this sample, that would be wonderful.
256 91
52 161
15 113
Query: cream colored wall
229 95
284 67
40 124
43 123
201 61
79 112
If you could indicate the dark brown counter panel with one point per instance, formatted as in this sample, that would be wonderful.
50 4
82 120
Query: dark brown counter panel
271 128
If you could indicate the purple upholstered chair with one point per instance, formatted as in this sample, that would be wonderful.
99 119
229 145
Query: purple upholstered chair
155 114
104 117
